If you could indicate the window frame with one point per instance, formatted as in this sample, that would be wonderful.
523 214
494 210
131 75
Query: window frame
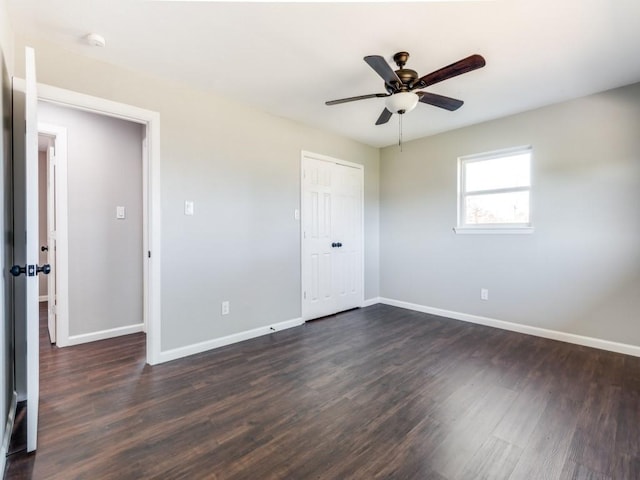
492 228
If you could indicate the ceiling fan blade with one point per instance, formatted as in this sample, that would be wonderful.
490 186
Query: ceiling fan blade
382 68
458 68
441 101
384 117
353 99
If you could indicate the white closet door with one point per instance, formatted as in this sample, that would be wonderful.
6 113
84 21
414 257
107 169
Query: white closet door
347 233
331 237
316 238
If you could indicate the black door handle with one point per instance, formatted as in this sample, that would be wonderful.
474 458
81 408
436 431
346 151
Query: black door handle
46 269
17 270
44 248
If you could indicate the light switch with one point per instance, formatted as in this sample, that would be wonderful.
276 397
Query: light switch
188 207
120 213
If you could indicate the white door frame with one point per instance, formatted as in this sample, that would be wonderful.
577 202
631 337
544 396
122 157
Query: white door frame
151 198
58 137
306 154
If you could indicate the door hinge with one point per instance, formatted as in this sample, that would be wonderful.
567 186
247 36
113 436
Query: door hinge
304 295
149 254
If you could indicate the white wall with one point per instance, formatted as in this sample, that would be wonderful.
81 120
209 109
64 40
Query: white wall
104 170
241 167
578 273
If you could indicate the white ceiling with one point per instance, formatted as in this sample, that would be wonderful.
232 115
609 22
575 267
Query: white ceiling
289 58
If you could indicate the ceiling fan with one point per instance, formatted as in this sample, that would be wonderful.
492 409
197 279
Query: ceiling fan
400 84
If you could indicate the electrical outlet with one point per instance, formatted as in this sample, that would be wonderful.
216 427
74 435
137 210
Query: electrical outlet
225 307
484 294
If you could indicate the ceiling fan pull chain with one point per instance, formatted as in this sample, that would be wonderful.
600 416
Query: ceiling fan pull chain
400 132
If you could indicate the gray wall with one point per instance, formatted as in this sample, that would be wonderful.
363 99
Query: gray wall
578 273
241 167
104 170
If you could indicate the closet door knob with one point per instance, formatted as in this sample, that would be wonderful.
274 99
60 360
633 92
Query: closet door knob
46 269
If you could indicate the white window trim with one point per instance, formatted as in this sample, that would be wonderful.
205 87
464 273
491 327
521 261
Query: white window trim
492 228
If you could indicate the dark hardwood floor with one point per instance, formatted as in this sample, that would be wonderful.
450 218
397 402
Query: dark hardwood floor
379 392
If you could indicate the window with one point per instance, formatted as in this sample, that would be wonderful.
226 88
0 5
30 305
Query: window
494 192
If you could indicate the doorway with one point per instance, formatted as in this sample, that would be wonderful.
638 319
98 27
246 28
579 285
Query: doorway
100 274
332 235
48 136
150 122
26 94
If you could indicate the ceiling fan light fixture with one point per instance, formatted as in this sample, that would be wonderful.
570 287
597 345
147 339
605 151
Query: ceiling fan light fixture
402 102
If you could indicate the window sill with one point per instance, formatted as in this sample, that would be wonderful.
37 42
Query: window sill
493 230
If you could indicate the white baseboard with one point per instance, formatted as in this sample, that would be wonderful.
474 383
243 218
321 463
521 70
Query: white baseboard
520 328
104 334
370 301
43 298
11 417
181 352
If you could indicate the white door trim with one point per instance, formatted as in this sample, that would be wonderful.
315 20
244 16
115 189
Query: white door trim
52 324
326 158
151 193
307 154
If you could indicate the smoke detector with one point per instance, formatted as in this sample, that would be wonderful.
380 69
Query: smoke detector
95 40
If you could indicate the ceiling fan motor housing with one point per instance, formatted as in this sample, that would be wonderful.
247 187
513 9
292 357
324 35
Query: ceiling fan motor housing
407 77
